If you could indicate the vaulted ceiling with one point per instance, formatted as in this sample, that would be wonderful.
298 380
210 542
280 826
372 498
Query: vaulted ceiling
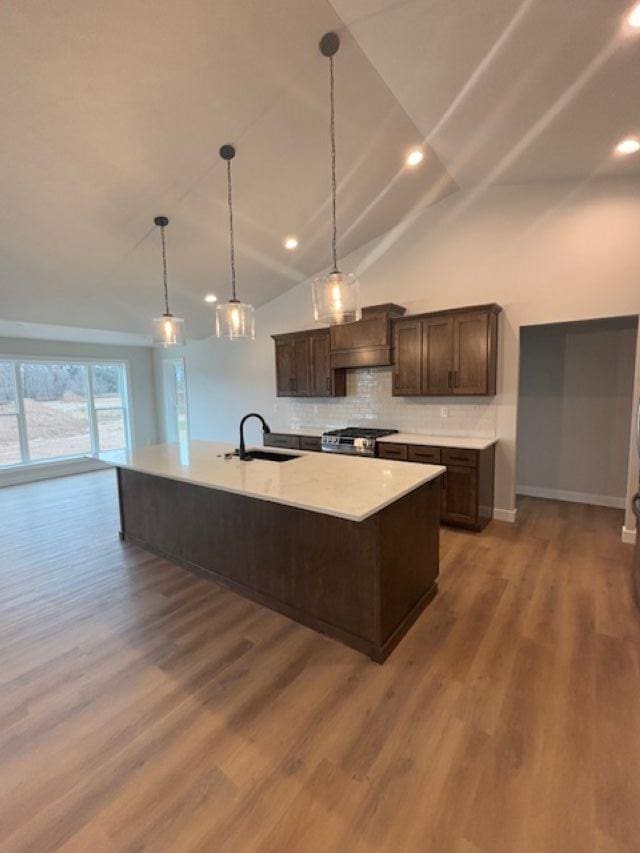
113 113
510 90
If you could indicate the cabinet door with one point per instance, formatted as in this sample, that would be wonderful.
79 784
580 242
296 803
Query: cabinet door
301 368
471 353
460 495
319 365
407 372
284 368
437 356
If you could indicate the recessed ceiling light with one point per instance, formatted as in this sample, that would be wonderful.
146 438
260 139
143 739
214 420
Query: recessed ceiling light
634 17
628 146
291 243
211 297
414 157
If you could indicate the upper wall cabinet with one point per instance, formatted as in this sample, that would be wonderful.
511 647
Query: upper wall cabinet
447 353
303 366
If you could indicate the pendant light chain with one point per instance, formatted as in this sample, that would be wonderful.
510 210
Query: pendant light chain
233 250
164 271
334 190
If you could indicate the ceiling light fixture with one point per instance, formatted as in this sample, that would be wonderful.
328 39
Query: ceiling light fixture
211 298
291 243
628 146
235 320
336 295
415 157
634 17
168 331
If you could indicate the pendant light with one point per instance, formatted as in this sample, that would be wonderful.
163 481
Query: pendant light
168 331
336 295
235 320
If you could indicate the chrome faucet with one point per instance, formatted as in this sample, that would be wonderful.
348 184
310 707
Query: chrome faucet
242 453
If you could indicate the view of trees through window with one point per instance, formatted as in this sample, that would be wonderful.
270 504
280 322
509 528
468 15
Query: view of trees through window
50 411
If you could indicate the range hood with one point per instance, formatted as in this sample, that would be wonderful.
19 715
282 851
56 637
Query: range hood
367 342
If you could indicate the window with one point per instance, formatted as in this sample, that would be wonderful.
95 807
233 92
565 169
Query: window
9 433
60 410
108 404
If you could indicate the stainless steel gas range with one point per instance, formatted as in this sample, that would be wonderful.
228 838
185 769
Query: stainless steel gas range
358 441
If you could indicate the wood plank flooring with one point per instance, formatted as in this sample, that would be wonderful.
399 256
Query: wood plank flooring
143 708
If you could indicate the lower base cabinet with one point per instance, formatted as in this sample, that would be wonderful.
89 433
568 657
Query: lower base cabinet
466 498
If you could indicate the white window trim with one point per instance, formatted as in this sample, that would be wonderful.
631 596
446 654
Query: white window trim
126 408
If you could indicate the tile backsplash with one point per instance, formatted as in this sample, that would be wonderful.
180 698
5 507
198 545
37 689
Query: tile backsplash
369 403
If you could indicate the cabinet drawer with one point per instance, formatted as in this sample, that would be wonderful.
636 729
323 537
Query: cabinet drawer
392 451
458 456
274 439
310 442
422 453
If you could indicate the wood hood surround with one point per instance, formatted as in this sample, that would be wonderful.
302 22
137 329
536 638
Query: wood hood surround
368 342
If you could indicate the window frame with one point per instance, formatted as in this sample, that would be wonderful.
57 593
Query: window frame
87 363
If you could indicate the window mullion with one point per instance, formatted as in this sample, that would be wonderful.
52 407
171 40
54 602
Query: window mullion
20 413
93 418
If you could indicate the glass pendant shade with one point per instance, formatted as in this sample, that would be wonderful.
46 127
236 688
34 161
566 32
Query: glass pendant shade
168 331
235 320
336 298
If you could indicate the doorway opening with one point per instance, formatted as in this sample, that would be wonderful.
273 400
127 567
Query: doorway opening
574 410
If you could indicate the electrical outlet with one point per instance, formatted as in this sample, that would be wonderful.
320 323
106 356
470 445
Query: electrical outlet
444 412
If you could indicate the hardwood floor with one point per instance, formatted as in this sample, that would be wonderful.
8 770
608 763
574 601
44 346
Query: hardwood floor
143 708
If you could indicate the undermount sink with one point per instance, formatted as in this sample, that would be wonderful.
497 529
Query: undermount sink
269 456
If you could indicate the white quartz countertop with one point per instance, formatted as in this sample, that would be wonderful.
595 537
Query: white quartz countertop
345 486
439 440
462 442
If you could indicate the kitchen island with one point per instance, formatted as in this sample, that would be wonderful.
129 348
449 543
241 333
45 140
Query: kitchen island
344 545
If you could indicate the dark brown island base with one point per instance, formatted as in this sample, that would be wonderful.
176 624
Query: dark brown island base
362 582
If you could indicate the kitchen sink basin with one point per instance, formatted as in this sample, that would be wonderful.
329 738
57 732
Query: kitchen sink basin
269 456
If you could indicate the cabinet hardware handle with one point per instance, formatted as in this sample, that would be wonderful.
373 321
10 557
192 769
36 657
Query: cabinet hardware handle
459 458
328 383
450 379
455 378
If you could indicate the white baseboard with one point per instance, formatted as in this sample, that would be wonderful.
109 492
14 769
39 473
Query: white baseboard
505 514
48 471
629 536
572 497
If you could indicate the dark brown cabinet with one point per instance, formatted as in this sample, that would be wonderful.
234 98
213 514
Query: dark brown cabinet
303 366
466 498
408 354
449 353
459 495
437 356
290 441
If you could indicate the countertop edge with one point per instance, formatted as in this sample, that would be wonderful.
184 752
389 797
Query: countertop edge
440 469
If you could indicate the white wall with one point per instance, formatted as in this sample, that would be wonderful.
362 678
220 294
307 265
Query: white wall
144 418
575 403
546 252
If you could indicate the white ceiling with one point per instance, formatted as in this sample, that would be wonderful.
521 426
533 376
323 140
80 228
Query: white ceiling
113 113
509 90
